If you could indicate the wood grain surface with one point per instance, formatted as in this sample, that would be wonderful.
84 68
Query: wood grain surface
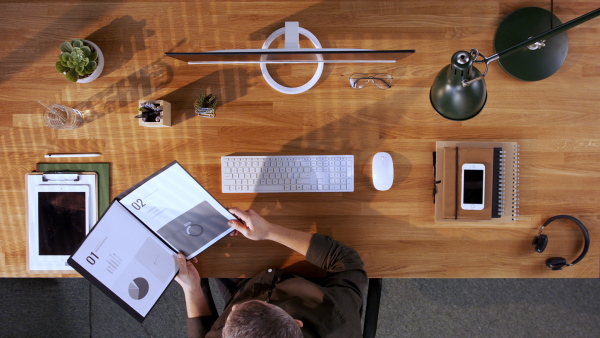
556 121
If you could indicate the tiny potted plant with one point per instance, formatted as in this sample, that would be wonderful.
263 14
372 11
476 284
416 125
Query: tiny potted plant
206 105
154 113
80 60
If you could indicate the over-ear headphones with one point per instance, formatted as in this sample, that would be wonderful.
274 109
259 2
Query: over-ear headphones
556 263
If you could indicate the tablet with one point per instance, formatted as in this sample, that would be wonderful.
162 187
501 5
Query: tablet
60 214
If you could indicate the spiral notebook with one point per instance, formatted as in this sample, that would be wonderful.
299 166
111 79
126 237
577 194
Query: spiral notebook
501 160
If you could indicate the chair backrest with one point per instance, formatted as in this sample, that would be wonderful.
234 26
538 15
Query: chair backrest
372 308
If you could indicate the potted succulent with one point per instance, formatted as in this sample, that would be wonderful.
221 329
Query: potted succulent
80 60
206 105
154 113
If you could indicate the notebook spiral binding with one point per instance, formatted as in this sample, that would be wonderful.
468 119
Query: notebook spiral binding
515 183
508 186
501 182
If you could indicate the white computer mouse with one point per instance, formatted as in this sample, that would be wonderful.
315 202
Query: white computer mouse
383 171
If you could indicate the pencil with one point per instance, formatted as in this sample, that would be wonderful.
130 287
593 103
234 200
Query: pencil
72 155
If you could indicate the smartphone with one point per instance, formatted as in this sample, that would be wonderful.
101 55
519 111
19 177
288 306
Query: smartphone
473 186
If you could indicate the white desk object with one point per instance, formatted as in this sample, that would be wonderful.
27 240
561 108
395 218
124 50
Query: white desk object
292 33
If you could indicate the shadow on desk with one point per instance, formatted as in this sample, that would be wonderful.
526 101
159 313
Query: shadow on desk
149 79
120 40
182 99
41 41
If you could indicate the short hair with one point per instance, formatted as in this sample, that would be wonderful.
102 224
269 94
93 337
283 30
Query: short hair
258 319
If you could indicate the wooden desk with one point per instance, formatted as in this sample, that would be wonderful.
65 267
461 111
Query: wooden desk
556 121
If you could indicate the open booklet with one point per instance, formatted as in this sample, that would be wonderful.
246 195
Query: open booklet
130 254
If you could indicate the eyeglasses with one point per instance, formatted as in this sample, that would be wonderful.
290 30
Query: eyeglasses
382 81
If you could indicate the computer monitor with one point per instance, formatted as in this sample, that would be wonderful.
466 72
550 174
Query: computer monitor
300 55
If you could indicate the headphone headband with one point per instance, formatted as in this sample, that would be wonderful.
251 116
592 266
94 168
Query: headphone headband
584 230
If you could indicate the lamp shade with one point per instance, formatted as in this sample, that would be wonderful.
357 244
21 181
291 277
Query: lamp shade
450 98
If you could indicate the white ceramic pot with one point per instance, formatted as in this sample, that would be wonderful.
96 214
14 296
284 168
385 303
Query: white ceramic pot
95 74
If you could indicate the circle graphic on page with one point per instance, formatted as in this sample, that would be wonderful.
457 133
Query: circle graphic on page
138 289
194 230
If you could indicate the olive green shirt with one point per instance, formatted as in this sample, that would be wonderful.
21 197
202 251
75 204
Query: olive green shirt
328 307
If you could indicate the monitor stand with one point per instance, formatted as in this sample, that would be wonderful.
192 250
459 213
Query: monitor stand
292 33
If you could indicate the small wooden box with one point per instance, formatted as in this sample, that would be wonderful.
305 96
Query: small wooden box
165 115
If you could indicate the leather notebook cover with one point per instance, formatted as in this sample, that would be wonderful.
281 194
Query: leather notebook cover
451 181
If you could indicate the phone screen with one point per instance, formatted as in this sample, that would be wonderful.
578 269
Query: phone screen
473 186
61 222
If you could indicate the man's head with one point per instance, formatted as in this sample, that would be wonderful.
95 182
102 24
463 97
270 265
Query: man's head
259 319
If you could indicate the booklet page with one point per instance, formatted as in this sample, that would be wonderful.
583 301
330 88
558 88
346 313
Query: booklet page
179 210
128 259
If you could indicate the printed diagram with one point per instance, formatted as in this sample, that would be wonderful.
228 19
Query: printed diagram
195 228
139 288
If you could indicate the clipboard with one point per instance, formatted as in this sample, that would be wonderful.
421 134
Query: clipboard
61 210
100 168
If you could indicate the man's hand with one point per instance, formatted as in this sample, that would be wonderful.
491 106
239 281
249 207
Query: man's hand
188 276
189 279
254 227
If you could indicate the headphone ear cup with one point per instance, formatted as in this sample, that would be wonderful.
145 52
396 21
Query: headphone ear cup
540 243
556 263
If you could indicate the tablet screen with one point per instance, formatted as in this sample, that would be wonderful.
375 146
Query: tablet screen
62 220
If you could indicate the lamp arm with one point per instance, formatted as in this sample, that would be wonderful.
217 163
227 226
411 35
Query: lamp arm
544 36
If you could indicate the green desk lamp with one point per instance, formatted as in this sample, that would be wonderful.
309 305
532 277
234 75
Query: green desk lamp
457 92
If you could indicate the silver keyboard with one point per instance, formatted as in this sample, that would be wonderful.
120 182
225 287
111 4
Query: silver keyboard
308 173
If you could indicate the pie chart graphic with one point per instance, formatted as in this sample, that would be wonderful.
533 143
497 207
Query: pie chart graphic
138 289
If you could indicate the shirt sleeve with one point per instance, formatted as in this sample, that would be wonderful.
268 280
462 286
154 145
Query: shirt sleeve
346 280
199 326
342 262
331 255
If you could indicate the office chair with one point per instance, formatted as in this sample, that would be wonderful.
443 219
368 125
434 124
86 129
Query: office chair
371 310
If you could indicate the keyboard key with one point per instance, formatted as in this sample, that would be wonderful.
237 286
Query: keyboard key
268 188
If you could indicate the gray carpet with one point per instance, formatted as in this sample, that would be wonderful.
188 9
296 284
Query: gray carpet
409 308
